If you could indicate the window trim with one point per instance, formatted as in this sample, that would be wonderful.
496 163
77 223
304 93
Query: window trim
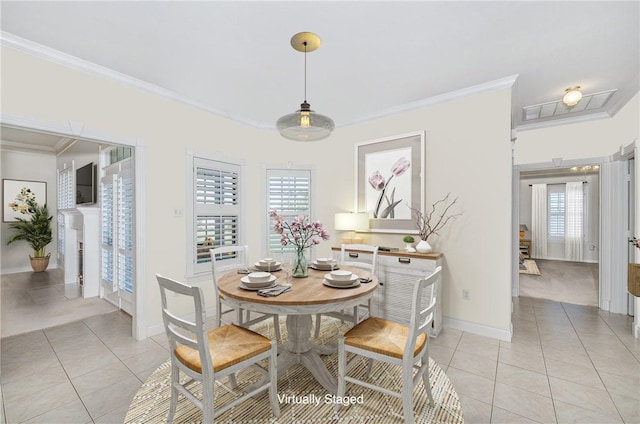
192 274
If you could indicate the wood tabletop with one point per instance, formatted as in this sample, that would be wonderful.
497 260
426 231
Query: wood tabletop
304 291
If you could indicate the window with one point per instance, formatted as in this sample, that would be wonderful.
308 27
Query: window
289 193
216 211
556 207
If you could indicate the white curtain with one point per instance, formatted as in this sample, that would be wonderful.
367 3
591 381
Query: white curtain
539 221
573 213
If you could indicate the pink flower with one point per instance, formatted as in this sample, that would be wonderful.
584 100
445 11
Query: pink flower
377 181
298 232
400 167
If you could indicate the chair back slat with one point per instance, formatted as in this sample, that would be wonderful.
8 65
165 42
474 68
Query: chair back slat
228 258
174 323
421 317
225 259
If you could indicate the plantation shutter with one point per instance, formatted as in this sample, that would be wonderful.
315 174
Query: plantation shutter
289 193
126 232
556 208
217 208
65 189
107 184
118 234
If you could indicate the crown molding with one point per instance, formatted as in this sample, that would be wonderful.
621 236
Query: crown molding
55 56
499 84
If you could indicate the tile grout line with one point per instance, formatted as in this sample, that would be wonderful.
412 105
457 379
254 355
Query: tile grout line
591 360
65 373
544 361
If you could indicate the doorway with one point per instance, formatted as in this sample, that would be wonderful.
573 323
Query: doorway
77 131
559 237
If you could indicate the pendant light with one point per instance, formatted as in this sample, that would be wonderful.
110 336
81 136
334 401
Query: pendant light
305 124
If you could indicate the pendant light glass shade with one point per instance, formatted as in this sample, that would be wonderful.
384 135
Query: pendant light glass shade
305 124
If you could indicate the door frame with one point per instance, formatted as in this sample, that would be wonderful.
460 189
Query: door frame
76 129
554 164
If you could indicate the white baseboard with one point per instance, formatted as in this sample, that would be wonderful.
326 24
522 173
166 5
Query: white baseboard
479 329
26 268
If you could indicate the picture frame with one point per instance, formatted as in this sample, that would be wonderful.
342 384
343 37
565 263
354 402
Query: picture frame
390 181
19 195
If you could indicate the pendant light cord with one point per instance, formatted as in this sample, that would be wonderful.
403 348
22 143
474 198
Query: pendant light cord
305 71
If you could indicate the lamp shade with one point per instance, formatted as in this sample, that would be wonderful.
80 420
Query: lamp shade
351 221
523 227
305 125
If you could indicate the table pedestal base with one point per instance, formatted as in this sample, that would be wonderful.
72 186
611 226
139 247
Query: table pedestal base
300 350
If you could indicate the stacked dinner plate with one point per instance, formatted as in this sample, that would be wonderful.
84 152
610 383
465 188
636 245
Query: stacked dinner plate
341 279
324 264
268 264
257 281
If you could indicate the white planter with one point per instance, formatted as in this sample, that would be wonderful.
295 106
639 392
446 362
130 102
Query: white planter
423 247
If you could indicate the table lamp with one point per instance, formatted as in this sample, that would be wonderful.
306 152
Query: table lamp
523 228
351 222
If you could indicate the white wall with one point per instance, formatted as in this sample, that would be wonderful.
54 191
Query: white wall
32 167
463 136
555 250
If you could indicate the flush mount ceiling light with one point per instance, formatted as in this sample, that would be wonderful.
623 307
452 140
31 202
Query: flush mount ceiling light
572 96
305 124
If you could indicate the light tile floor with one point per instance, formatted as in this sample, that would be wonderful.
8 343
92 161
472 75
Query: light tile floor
566 364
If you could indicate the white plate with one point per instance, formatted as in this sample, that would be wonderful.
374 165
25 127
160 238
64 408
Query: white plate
274 267
341 286
248 283
333 281
324 267
272 284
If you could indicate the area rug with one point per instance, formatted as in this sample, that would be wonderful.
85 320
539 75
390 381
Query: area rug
530 267
151 402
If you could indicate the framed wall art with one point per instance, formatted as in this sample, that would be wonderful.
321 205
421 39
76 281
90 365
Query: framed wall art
20 196
390 181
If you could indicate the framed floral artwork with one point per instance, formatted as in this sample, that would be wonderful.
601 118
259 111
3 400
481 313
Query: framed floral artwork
20 197
390 181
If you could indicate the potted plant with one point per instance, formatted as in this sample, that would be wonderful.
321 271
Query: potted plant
37 232
409 243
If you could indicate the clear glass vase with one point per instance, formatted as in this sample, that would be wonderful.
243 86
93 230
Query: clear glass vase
300 264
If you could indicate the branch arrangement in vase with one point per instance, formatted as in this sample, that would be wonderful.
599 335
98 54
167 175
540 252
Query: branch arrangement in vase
433 221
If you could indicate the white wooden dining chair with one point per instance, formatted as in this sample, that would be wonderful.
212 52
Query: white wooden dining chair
227 259
209 356
350 255
395 343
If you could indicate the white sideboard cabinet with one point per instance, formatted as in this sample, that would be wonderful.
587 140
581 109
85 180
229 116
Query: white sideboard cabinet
396 269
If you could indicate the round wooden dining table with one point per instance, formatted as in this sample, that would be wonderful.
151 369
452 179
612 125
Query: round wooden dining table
308 296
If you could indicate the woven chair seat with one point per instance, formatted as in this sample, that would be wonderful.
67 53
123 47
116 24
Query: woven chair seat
382 336
229 345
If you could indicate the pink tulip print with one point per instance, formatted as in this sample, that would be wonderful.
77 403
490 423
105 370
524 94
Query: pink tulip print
378 182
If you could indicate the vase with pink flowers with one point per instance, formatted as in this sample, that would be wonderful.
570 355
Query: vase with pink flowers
301 234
